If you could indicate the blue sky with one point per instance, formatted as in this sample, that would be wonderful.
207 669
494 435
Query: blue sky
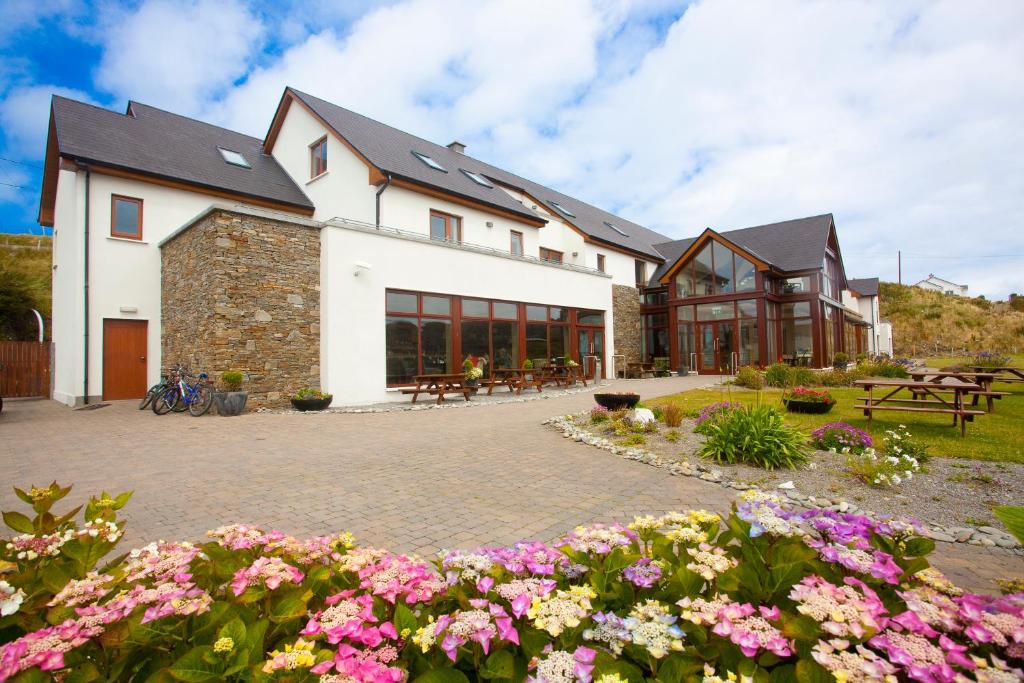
902 118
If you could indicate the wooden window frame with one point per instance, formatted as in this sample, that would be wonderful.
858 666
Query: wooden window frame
512 235
313 166
640 264
547 259
600 263
114 198
448 218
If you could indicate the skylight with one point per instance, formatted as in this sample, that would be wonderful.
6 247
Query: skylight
234 158
477 178
616 229
563 210
430 162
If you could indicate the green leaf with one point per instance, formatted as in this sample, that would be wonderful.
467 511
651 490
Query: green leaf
194 667
604 663
1012 517
533 641
619 559
32 676
24 496
19 522
501 664
235 630
677 667
801 628
809 671
445 675
404 620
919 547
784 674
291 606
83 673
55 578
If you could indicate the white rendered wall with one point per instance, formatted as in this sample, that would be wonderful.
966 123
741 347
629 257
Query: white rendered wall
353 364
67 289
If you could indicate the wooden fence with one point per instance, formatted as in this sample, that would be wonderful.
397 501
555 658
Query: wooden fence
24 369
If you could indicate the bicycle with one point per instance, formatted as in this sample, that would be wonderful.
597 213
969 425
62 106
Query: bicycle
194 396
154 391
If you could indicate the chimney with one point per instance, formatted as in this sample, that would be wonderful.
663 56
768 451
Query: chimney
457 146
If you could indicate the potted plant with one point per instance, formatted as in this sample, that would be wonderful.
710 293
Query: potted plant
311 398
231 401
471 374
804 400
840 361
617 401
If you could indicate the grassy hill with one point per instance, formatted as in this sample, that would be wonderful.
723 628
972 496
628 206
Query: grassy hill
25 274
932 323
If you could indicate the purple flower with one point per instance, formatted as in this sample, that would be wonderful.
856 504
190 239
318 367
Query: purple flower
643 573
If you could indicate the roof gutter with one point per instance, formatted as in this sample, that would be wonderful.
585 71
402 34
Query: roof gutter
385 185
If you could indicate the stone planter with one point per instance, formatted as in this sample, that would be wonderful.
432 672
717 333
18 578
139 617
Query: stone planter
617 401
306 404
809 407
230 403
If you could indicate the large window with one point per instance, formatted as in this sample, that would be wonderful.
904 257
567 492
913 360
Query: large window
797 334
830 278
418 336
655 335
715 269
550 255
125 217
318 157
685 337
445 227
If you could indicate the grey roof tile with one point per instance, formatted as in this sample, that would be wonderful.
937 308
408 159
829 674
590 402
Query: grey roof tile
160 143
865 286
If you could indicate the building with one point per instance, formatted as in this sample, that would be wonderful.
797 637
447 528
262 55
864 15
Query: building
343 253
937 284
862 296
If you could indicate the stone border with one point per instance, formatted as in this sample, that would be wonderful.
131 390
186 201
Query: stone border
407 407
986 536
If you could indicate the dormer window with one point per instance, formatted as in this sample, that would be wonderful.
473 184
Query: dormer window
616 229
562 210
234 158
430 162
477 178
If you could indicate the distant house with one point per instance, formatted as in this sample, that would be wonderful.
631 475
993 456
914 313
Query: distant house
861 295
937 284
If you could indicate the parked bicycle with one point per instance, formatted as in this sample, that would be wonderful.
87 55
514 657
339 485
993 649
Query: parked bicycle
155 391
184 391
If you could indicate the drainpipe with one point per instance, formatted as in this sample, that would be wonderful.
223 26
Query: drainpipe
85 337
380 191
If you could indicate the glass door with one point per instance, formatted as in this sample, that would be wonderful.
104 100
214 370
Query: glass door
717 341
590 347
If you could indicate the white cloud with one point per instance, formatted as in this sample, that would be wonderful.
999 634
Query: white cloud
177 55
25 115
25 15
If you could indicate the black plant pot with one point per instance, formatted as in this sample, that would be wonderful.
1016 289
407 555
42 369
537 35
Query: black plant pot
306 404
683 371
810 407
617 401
230 403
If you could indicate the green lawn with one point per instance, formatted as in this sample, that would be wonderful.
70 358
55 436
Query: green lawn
943 361
996 436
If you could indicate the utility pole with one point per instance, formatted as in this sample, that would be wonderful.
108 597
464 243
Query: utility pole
899 267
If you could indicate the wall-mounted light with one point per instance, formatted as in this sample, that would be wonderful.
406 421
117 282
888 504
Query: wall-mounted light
490 224
575 254
359 266
129 309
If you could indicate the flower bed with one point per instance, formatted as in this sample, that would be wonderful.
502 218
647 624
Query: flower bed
765 593
804 400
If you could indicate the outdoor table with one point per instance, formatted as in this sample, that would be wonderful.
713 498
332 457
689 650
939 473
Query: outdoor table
513 378
982 379
440 385
1004 373
564 374
639 369
938 403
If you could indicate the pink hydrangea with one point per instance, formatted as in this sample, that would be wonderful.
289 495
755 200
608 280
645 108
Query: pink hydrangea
843 611
362 666
527 557
44 648
398 576
271 572
349 618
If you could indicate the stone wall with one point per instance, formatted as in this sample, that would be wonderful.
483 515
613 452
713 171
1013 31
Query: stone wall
626 317
242 292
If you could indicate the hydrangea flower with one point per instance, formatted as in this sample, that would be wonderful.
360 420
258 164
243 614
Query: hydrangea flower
10 599
79 591
851 610
653 628
643 573
563 609
461 565
521 592
397 576
482 624
297 656
561 666
527 557
360 666
348 618
599 539
271 572
709 561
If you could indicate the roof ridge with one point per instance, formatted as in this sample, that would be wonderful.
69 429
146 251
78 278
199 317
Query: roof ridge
768 225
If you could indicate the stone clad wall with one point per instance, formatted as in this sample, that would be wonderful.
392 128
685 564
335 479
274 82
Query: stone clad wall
242 292
626 317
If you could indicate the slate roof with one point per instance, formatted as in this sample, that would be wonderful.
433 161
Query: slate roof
789 246
155 142
865 286
391 151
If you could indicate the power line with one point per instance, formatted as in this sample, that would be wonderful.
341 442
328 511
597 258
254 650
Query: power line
22 163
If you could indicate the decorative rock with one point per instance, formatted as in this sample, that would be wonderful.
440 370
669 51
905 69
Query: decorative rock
641 416
940 536
988 542
787 486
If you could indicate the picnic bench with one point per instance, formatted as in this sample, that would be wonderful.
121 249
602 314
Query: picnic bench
939 401
440 385
563 375
982 379
516 379
639 370
1003 373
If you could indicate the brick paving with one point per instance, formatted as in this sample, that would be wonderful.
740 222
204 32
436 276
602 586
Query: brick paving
409 481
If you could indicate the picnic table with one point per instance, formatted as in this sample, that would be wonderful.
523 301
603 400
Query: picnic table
982 379
639 369
513 378
1005 373
440 385
563 374
940 401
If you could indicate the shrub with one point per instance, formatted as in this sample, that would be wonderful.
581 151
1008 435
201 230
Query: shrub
803 377
658 412
620 427
634 440
232 380
712 413
777 375
987 359
840 360
899 442
528 364
755 436
307 393
672 415
885 470
861 357
840 437
599 414
805 395
750 378
883 367
603 601
672 435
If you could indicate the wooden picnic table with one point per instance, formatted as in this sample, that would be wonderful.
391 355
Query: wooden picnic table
982 379
513 378
563 374
939 402
639 369
1005 373
440 385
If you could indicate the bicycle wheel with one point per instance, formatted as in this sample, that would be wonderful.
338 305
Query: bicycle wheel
150 396
167 401
181 404
202 399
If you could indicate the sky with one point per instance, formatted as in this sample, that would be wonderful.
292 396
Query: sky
903 118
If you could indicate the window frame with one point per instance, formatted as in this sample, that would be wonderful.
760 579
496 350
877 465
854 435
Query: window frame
600 263
313 158
544 254
114 198
513 235
640 272
447 218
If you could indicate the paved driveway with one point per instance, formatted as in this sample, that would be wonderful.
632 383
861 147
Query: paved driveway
409 481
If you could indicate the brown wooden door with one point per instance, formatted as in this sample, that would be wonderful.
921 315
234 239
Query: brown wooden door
124 359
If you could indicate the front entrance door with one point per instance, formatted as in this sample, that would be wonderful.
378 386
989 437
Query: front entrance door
124 359
716 341
590 346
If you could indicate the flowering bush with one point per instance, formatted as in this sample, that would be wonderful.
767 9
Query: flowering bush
712 413
766 594
599 414
901 444
756 436
473 374
805 395
987 359
839 437
311 393
882 470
